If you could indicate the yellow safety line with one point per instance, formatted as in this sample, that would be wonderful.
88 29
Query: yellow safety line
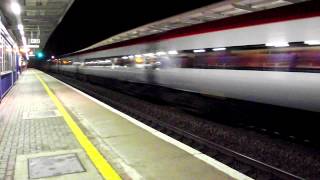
98 160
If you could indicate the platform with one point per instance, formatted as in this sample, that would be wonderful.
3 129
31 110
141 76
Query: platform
35 130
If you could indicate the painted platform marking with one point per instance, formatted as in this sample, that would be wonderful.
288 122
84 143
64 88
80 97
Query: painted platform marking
95 156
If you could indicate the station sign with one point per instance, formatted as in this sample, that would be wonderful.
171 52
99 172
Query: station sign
35 41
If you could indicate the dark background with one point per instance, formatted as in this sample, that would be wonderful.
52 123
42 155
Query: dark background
90 21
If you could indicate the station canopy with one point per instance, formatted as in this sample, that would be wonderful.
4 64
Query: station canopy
38 18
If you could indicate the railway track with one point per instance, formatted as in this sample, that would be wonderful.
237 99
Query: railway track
249 166
242 163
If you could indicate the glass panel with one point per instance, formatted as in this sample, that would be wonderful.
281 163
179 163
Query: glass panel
1 53
7 60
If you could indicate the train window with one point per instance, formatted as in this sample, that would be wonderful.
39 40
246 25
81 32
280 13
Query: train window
98 62
7 56
106 62
277 59
66 61
124 62
76 61
284 59
139 60
178 61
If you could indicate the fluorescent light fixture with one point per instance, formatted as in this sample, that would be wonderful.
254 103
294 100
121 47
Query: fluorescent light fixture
138 56
161 53
199 50
219 49
15 7
125 57
172 52
24 40
20 27
312 42
278 44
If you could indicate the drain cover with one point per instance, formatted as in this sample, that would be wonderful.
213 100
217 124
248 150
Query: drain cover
54 166
40 114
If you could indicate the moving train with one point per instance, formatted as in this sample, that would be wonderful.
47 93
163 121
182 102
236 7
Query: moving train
286 77
269 57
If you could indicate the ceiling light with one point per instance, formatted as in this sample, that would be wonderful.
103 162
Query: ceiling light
219 49
125 57
20 27
15 7
312 42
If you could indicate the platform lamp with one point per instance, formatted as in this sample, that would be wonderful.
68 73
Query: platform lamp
15 7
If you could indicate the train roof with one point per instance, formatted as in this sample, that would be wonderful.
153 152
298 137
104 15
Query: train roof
217 16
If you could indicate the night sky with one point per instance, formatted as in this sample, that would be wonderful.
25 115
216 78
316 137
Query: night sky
88 22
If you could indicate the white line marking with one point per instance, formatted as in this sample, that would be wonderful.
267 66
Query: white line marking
216 164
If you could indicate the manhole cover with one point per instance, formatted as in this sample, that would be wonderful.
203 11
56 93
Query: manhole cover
54 166
40 114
